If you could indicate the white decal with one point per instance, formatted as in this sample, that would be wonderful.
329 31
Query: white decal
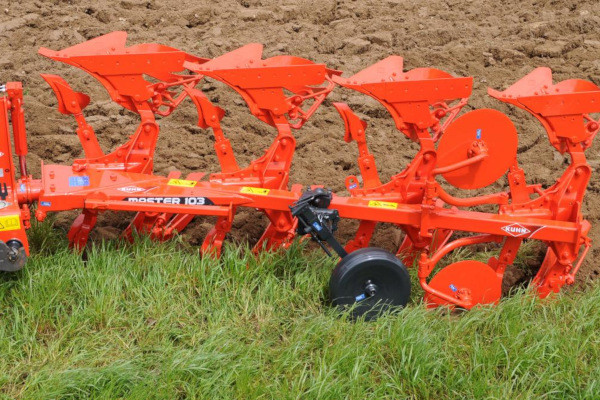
516 230
188 201
4 204
536 231
131 189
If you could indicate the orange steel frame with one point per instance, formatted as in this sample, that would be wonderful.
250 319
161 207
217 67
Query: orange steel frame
470 151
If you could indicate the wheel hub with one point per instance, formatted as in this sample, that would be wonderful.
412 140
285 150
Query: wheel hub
370 288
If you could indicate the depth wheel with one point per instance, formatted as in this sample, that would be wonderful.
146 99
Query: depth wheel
370 281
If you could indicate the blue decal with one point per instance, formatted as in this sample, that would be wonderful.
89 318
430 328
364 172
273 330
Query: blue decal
22 188
453 288
360 297
317 226
79 181
478 134
45 203
353 186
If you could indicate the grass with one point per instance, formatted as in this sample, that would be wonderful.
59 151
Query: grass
157 322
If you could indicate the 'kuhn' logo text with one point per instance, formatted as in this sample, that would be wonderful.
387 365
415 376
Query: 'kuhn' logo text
131 189
516 230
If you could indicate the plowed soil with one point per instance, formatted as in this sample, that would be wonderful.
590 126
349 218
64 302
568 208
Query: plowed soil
495 42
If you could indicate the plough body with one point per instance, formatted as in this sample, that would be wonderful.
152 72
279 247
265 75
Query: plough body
469 151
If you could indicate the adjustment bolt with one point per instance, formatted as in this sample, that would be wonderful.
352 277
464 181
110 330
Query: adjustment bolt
464 294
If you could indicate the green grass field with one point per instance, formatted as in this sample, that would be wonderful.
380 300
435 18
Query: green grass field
156 322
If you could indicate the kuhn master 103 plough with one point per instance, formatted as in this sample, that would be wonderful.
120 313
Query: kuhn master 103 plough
470 151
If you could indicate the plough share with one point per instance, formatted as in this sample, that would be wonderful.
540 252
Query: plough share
469 151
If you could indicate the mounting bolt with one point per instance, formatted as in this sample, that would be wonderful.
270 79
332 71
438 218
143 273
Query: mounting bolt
40 215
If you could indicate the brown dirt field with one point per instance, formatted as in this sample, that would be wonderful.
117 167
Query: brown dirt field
496 42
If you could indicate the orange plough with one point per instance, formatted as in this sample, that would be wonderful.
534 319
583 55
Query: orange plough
468 150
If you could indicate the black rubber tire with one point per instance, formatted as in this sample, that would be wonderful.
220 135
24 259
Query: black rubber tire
349 281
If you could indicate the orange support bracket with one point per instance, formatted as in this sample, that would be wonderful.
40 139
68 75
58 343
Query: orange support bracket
355 130
71 102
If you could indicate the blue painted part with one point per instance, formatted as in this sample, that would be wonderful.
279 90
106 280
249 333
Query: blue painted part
353 186
360 297
79 181
317 226
45 203
22 188
478 134
453 288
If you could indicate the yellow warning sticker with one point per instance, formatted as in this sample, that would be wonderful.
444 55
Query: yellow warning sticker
181 182
383 204
10 222
254 190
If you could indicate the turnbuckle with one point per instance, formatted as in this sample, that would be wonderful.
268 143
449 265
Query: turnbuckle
316 220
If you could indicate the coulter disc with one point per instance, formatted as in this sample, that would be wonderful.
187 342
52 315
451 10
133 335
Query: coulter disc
488 128
480 281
